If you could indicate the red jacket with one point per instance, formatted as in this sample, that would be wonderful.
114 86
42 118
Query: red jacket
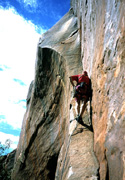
81 78
82 91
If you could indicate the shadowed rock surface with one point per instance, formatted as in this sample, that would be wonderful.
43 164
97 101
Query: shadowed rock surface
6 165
91 36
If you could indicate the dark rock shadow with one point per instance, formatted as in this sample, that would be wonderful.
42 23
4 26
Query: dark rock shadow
85 125
90 98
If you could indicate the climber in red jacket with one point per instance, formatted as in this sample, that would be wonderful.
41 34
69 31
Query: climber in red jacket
82 91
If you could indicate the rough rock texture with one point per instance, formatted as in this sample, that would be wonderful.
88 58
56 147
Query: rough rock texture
78 161
91 36
6 165
103 55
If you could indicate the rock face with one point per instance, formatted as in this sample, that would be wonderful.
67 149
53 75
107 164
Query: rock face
103 55
91 36
6 165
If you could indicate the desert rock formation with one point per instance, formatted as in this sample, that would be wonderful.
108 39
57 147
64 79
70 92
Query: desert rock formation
91 36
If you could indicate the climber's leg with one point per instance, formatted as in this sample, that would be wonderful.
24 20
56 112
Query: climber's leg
78 118
83 107
78 106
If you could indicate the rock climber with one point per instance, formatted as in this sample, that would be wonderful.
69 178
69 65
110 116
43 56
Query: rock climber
82 91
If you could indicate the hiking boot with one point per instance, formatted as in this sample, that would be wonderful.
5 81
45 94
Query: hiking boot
79 119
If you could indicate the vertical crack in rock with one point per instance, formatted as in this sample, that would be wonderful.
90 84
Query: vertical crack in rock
51 166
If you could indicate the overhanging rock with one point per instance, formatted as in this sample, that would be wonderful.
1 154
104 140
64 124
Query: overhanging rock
91 36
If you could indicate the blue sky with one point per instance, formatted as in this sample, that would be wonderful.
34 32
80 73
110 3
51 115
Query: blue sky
21 24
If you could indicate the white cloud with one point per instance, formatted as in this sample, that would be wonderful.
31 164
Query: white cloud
28 4
18 43
14 139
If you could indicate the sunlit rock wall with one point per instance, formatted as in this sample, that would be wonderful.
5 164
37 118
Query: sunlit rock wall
102 25
91 36
46 121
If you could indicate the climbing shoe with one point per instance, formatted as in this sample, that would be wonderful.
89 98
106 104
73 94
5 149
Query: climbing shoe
79 119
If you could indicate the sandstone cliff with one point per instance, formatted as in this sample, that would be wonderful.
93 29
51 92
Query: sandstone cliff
91 36
6 165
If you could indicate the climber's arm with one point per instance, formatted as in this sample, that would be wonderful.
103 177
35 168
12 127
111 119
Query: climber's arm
71 81
73 78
